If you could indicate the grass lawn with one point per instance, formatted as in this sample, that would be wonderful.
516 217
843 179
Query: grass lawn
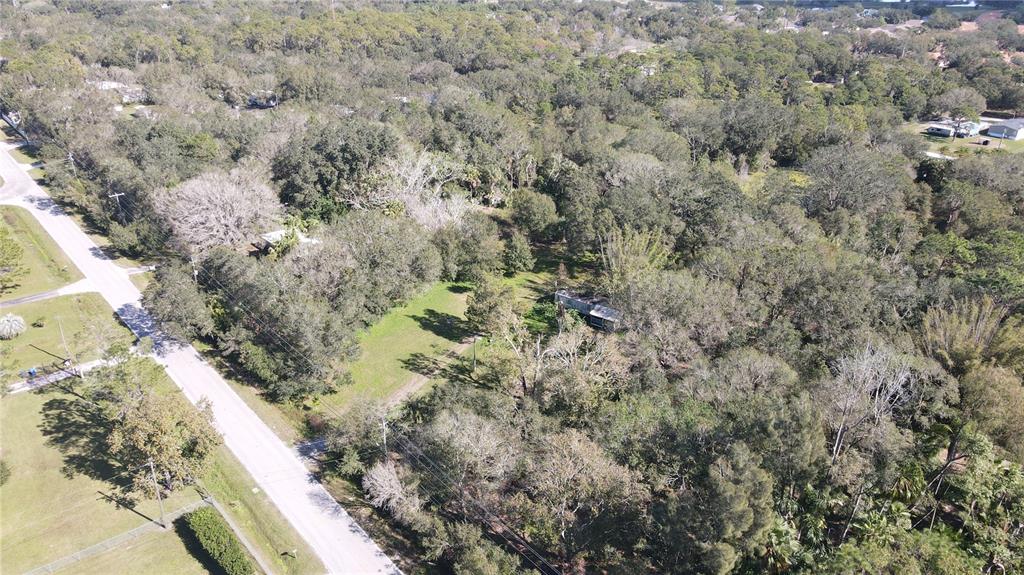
426 327
142 281
45 514
406 342
155 553
391 352
87 321
47 266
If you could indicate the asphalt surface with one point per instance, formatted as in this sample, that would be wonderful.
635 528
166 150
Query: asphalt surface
342 546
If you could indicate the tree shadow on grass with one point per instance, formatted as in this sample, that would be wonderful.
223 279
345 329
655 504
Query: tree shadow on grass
446 325
79 432
449 366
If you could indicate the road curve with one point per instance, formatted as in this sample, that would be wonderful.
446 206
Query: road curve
342 546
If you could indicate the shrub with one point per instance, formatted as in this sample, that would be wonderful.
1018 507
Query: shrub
11 326
517 257
217 539
5 472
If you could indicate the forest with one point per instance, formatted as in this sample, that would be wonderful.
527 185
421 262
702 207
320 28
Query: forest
820 362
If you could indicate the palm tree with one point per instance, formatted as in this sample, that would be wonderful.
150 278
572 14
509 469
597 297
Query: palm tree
11 326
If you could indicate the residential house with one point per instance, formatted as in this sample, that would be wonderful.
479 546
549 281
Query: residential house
1008 129
593 309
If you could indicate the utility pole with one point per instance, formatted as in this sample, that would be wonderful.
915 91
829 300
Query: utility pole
69 357
74 168
195 270
156 487
384 430
60 326
117 198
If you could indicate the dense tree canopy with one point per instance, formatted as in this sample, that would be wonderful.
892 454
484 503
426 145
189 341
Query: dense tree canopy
819 363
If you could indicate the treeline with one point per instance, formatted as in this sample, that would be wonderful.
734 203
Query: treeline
820 367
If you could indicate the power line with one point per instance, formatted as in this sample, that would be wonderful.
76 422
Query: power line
317 369
451 488
437 475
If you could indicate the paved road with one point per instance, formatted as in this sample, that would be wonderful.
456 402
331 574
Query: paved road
342 546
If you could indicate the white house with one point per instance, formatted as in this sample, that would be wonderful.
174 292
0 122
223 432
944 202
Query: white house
1008 129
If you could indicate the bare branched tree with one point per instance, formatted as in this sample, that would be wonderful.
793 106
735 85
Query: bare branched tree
416 180
386 490
867 389
219 209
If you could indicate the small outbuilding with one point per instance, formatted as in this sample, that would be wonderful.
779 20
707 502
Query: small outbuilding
1008 129
594 310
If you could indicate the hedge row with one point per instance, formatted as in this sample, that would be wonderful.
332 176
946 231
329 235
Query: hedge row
219 541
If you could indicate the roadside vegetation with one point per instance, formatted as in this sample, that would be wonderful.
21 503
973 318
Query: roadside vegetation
31 261
816 366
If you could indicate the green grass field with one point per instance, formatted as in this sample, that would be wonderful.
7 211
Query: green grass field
47 266
393 348
89 328
45 514
155 553
407 342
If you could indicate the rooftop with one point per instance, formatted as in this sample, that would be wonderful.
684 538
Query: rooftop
1016 123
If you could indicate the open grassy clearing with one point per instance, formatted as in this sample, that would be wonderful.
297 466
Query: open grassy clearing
393 349
142 280
46 514
156 553
89 327
410 342
47 266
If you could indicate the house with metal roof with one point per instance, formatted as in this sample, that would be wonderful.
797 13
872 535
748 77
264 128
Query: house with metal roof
1008 129
594 310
